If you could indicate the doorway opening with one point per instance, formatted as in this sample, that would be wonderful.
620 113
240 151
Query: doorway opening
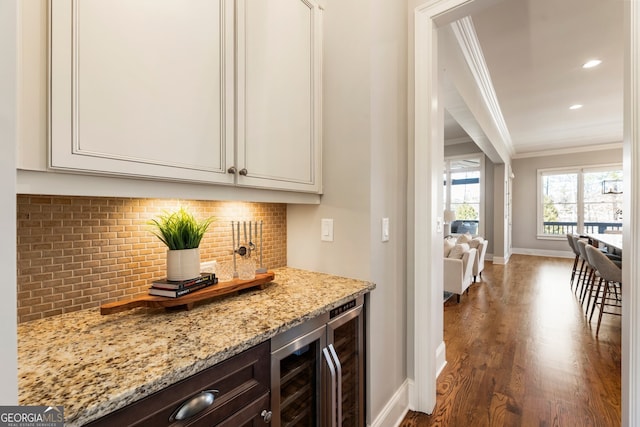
426 357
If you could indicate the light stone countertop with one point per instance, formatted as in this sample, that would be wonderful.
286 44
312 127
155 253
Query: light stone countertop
93 364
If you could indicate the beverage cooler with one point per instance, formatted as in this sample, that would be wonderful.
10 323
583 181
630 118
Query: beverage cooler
317 371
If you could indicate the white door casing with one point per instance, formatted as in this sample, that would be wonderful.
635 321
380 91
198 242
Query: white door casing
427 187
631 223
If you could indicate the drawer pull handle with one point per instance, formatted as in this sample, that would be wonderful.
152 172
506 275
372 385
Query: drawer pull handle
266 416
194 405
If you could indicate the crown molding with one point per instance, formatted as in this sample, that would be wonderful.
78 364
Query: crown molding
469 44
455 141
569 150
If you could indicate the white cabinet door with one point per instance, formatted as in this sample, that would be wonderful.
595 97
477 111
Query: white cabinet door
279 94
143 87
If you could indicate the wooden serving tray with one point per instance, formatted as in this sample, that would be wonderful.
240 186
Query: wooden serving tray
187 301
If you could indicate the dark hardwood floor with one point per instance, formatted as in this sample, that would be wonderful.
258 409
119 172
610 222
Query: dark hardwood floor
520 352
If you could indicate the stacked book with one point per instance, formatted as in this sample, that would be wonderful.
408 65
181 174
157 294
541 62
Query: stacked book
178 288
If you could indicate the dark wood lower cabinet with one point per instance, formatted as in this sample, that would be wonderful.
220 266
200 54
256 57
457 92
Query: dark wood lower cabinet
242 383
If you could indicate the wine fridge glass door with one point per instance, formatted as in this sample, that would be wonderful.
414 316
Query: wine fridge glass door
297 384
345 332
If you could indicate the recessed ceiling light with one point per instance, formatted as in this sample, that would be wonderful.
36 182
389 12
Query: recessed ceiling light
592 63
575 107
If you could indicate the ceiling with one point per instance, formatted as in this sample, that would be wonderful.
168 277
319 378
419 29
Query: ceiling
534 51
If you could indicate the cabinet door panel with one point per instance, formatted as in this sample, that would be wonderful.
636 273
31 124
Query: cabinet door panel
139 87
278 94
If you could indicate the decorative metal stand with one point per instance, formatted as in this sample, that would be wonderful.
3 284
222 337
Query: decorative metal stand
246 246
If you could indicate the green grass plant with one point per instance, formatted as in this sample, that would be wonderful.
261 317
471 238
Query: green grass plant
180 229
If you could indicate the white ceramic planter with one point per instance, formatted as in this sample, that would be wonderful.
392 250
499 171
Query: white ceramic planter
183 264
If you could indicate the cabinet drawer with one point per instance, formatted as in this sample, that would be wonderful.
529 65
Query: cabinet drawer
251 416
242 381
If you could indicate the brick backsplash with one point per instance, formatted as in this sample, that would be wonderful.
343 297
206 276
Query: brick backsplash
77 253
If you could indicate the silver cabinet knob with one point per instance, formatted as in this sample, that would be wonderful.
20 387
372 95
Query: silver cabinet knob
232 170
243 172
266 416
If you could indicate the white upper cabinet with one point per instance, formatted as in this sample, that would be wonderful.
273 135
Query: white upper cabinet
141 87
279 94
159 88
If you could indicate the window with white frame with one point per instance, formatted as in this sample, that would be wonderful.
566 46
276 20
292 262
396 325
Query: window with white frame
463 192
579 200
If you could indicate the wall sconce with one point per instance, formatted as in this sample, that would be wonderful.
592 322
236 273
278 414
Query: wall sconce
612 187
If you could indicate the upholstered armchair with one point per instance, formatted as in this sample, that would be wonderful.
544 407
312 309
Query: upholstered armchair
458 268
480 244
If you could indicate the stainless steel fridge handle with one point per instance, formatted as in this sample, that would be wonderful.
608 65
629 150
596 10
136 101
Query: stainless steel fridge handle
332 370
332 350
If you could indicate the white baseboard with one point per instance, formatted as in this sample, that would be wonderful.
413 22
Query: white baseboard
396 408
441 358
500 260
412 394
543 252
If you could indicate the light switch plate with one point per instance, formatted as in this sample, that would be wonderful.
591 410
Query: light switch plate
326 229
385 229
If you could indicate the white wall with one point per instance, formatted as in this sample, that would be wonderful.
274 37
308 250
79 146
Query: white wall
388 188
525 194
8 139
364 139
32 118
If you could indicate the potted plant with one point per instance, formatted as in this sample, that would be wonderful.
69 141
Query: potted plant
182 233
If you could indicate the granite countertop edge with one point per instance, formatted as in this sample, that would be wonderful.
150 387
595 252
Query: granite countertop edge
290 284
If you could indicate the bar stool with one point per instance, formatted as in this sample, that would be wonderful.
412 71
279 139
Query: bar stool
611 279
583 262
574 269
588 274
